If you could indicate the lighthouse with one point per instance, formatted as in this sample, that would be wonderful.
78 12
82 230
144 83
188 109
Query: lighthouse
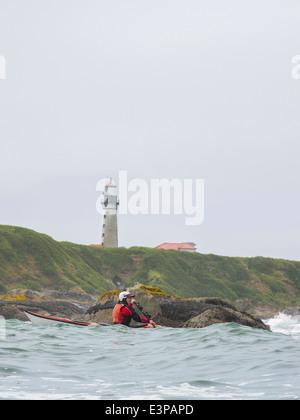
110 204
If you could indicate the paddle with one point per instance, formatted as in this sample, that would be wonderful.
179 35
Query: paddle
121 286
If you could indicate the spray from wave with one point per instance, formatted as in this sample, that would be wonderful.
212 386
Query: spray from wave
285 324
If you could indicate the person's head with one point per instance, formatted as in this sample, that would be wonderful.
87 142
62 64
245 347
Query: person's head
125 297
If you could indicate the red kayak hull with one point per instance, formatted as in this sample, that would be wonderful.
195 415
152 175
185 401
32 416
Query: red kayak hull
47 320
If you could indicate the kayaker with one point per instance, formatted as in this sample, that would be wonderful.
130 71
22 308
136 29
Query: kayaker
123 311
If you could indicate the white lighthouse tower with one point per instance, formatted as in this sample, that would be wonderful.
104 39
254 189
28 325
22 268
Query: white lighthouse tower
110 204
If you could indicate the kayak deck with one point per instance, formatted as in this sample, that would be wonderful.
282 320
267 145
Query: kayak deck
39 319
46 320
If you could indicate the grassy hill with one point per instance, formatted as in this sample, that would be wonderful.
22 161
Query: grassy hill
35 261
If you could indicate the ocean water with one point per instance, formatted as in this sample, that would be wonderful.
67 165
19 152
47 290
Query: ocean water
223 361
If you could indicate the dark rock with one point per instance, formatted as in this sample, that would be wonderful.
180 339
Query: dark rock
63 309
202 313
164 309
176 312
59 303
11 311
215 315
101 312
256 308
101 306
292 311
67 295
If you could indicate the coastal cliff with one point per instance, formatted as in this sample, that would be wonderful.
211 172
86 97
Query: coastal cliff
35 262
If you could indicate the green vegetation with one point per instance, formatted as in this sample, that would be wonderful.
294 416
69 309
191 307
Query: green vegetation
30 260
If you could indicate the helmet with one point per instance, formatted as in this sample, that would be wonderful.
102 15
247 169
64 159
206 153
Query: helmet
124 295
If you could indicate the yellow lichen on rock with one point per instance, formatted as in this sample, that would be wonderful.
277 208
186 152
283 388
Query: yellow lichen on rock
107 295
13 297
154 290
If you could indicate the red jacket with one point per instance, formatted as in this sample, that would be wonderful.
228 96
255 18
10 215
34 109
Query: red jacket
123 314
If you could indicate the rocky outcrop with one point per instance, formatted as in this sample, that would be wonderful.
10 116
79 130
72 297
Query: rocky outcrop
54 303
217 315
257 309
164 309
293 311
173 311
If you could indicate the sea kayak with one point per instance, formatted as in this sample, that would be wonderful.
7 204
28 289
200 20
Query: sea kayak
46 320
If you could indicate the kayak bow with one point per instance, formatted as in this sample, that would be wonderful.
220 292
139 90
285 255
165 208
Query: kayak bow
46 320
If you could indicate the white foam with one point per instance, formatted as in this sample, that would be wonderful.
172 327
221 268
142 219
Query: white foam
2 328
187 391
285 324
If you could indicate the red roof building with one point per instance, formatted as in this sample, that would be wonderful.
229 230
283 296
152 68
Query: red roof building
183 246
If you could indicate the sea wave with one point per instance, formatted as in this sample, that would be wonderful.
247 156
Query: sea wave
223 361
285 324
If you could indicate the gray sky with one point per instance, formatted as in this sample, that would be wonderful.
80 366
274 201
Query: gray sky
163 89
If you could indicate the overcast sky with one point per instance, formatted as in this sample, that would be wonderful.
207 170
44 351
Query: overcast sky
197 89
